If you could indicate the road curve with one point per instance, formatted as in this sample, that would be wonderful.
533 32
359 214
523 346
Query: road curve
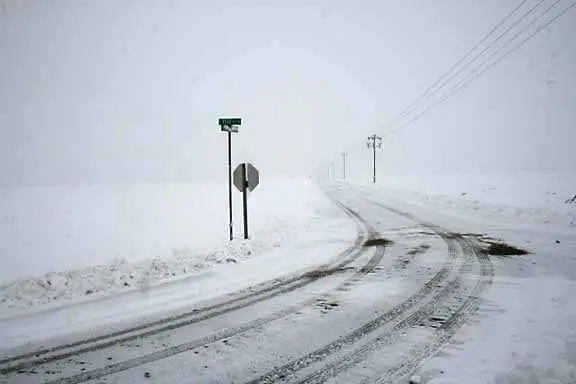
373 314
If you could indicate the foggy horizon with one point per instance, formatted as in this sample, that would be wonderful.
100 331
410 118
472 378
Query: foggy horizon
108 92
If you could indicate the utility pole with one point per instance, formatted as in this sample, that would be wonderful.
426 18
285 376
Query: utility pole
230 126
344 154
374 142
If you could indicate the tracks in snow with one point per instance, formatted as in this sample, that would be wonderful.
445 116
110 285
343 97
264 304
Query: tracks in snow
268 290
359 343
334 358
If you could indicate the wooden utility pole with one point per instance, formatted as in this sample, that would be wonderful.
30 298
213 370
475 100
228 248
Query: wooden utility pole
374 142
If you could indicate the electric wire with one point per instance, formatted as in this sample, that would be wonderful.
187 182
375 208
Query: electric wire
480 71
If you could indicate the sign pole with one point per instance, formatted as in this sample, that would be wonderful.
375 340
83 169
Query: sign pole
231 228
230 125
246 178
245 199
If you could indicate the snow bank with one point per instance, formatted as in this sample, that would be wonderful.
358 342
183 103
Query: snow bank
529 195
522 188
63 243
525 329
525 335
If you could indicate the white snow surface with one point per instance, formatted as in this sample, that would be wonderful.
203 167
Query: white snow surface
536 196
525 331
62 244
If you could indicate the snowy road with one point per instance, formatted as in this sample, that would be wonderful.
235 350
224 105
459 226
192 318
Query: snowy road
372 313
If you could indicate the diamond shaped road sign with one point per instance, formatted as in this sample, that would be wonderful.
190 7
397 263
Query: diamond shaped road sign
252 177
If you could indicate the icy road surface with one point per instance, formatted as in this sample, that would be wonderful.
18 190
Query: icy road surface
378 310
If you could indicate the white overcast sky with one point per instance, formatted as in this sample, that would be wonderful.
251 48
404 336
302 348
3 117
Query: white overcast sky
100 91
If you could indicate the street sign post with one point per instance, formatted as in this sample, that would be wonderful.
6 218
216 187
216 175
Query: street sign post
230 125
246 179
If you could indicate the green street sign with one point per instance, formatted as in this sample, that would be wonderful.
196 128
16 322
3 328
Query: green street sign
229 121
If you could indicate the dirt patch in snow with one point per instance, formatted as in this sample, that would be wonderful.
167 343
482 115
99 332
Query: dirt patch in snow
490 245
503 249
377 242
318 274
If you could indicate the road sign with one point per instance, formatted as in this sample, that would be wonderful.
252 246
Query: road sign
238 178
228 122
252 177
229 128
246 178
230 125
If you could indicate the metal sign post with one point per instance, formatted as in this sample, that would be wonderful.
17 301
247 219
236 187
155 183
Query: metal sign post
245 200
246 178
230 125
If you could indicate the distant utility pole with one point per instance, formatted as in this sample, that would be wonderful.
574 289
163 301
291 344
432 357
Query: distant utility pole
344 154
373 143
230 125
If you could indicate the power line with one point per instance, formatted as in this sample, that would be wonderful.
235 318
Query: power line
502 48
478 71
417 102
425 95
478 55
473 76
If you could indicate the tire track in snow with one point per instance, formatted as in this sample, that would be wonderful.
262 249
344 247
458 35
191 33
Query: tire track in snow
421 352
177 349
424 351
405 315
351 254
269 290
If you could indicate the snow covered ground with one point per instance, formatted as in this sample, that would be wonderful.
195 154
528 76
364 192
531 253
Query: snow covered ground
524 331
535 196
526 328
76 243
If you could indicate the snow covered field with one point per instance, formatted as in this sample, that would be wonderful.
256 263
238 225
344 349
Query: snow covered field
66 242
115 262
524 330
536 196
